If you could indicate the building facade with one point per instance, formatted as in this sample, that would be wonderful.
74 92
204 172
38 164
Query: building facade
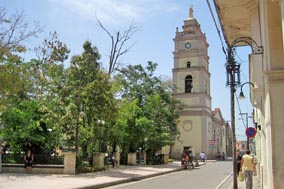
200 128
241 146
262 21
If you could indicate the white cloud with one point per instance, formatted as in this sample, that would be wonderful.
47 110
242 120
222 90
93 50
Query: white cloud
117 11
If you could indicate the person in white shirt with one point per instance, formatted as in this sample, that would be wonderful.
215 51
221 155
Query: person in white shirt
202 156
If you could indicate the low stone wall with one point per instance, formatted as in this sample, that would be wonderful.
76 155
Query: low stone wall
37 169
68 168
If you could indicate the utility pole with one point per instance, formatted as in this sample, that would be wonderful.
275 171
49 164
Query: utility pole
233 80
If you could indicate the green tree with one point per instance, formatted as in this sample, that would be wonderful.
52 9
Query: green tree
24 127
152 112
48 69
90 99
14 31
39 81
49 82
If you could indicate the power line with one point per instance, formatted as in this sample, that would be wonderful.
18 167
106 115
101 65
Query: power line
216 26
240 111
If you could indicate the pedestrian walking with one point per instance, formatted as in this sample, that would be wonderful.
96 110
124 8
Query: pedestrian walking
183 155
248 166
223 156
113 161
239 159
202 156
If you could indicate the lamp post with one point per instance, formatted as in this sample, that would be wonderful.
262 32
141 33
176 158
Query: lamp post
100 123
139 155
242 96
233 80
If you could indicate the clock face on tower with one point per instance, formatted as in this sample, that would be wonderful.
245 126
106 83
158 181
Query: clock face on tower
187 45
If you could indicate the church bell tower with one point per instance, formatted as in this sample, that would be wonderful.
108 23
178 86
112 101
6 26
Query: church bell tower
191 78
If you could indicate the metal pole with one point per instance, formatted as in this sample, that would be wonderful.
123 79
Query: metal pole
232 69
232 87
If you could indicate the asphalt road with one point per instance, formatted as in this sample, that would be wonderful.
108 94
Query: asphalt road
209 176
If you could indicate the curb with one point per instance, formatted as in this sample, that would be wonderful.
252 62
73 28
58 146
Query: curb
96 186
138 178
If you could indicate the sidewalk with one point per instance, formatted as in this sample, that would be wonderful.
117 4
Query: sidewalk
109 177
242 185
256 184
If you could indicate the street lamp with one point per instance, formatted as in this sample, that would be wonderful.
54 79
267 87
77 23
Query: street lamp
100 123
233 80
139 155
242 96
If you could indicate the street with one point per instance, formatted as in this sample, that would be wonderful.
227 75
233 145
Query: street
208 176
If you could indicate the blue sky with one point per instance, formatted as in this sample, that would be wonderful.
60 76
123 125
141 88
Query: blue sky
75 22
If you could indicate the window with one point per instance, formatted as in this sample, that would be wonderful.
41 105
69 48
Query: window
188 84
188 64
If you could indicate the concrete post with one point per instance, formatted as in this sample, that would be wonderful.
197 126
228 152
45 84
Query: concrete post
145 158
131 159
166 158
70 163
98 160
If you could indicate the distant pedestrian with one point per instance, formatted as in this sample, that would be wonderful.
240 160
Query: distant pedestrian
29 158
113 161
184 159
202 156
239 159
184 156
223 156
248 166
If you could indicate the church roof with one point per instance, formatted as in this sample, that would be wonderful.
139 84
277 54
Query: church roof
217 114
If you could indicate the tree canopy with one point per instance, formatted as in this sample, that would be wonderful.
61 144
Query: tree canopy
148 113
45 105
